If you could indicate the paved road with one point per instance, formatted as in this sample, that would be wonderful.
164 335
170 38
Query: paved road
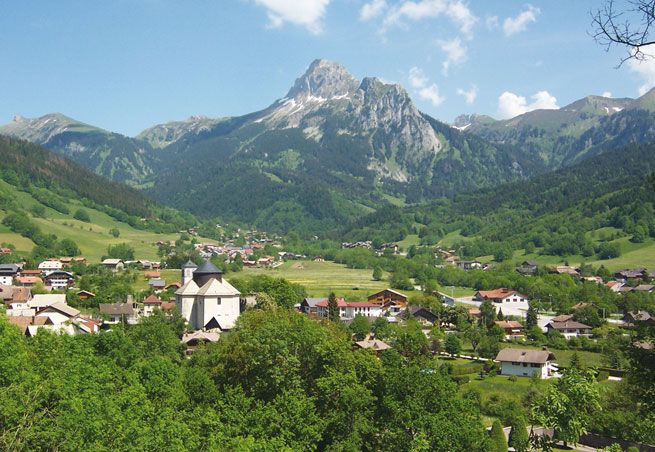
516 309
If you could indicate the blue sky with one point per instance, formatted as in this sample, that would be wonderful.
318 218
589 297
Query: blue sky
128 64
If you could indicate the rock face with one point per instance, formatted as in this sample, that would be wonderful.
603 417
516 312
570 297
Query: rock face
162 135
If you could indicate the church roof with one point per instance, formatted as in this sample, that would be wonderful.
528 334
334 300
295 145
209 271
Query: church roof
189 264
190 288
207 268
214 287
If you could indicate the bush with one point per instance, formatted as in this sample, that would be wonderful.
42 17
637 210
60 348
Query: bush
602 375
513 378
461 379
82 215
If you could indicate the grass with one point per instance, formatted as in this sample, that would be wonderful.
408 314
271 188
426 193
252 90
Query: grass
451 238
411 239
92 238
320 278
563 357
457 292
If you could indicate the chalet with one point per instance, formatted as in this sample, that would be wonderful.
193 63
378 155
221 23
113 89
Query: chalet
565 270
115 265
628 274
614 286
151 303
7 273
502 295
373 344
512 328
632 318
562 318
66 261
525 363
50 266
85 294
152 274
319 259
308 305
15 294
58 313
42 301
348 310
569 329
595 279
475 313
528 268
265 261
175 285
423 315
59 280
28 281
626 289
4 250
469 265
30 273
119 312
387 296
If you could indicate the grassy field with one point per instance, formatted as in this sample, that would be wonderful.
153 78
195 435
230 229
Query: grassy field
563 357
92 238
320 278
411 239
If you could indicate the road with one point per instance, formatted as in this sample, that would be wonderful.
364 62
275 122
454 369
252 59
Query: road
514 309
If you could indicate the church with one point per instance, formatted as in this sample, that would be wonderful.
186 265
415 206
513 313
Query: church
206 300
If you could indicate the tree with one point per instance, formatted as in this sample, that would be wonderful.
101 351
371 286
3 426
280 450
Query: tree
500 315
498 441
474 335
67 247
487 314
569 405
121 251
82 215
333 308
453 345
115 232
531 317
377 273
518 435
630 27
360 327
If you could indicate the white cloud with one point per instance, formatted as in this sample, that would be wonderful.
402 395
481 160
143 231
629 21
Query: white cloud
510 104
306 13
411 10
492 22
645 70
425 90
372 9
455 53
606 94
469 95
514 25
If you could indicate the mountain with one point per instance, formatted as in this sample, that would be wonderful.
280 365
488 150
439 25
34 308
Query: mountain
162 135
580 130
115 156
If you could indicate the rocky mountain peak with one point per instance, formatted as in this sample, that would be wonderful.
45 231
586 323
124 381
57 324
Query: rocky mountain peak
323 79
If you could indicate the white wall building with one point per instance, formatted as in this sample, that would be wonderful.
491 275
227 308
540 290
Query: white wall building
48 267
525 362
348 310
206 300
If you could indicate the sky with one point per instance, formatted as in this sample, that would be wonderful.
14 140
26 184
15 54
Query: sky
125 65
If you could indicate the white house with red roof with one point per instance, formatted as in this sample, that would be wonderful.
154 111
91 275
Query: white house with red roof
348 309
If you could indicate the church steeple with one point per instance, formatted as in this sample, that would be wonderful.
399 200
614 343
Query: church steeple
206 272
187 271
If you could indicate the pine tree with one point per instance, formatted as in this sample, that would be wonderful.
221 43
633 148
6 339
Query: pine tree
518 436
500 315
575 362
531 317
333 308
498 441
377 273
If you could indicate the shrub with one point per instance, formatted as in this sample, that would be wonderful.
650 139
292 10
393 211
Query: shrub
82 215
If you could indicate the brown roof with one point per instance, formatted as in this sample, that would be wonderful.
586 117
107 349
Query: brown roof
116 308
374 344
30 272
507 324
497 294
568 325
167 305
563 318
21 321
29 280
520 355
152 299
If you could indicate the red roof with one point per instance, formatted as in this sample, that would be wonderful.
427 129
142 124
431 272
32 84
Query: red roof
503 292
152 299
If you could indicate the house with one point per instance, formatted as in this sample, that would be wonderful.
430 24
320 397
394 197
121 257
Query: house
373 344
569 329
151 274
206 300
4 250
28 281
308 305
59 280
525 363
119 312
42 301
502 295
319 259
387 296
469 265
614 286
512 328
85 294
348 310
115 265
628 274
14 294
423 315
596 279
648 288
528 268
565 270
7 273
151 303
50 266
58 313
631 318
562 318
475 313
192 340
157 284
